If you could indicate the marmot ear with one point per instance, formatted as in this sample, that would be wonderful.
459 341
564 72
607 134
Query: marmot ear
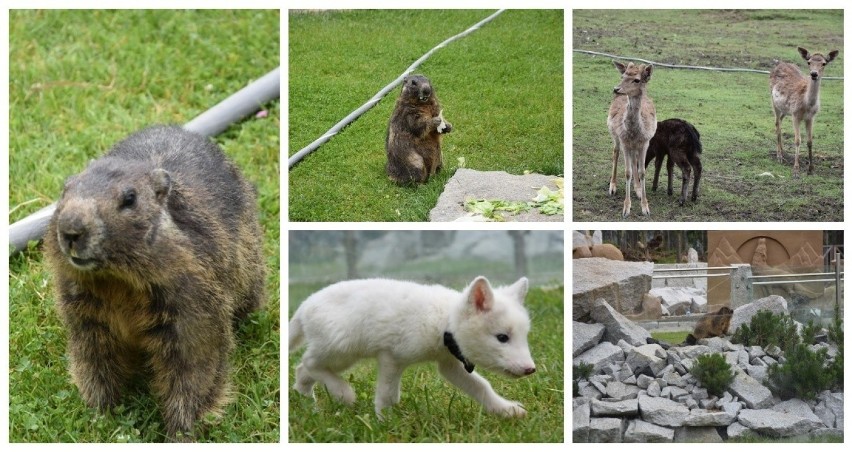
162 183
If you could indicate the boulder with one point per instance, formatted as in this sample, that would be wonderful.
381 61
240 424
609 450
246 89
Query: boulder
585 336
639 431
830 409
743 314
679 300
623 284
617 390
581 419
646 357
775 423
707 418
605 430
697 435
799 408
660 411
600 355
628 407
617 326
750 391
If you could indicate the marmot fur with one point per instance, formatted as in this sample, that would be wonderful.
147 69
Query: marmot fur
156 251
711 325
413 140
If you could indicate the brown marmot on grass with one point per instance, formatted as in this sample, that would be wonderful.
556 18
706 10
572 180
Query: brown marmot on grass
156 251
711 325
413 141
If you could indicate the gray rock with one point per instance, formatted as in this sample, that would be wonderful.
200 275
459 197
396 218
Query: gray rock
600 382
732 408
468 183
832 405
673 378
624 284
617 390
605 430
600 355
608 409
675 393
716 344
774 351
590 392
660 411
775 423
617 326
755 351
768 360
585 336
645 357
708 402
654 389
697 435
759 373
743 314
639 431
581 420
750 391
693 351
799 408
631 380
680 300
738 431
623 344
704 418
643 381
699 393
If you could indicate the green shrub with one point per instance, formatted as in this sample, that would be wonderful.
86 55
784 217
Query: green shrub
809 333
767 329
713 372
803 375
835 335
581 371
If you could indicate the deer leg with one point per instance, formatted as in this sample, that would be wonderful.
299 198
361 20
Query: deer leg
798 142
685 172
809 127
658 164
669 169
695 161
779 147
639 174
614 169
628 175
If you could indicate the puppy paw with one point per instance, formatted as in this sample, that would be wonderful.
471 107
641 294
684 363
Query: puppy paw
509 409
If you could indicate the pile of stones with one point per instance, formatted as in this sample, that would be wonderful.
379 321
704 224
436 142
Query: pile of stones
643 392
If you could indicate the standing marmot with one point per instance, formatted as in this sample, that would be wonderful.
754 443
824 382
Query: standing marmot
413 141
156 251
711 325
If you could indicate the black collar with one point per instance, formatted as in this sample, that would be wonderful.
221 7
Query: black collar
454 349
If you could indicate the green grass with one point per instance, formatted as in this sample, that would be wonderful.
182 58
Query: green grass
670 337
432 410
79 82
732 111
501 87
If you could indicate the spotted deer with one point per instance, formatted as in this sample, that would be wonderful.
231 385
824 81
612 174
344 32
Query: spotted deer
796 96
632 123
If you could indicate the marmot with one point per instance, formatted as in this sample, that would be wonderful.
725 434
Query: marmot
156 251
413 140
711 325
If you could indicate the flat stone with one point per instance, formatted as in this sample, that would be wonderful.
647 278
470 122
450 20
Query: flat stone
716 344
660 411
605 430
706 418
639 431
581 420
775 423
697 435
492 185
628 407
743 314
617 326
693 351
585 336
750 391
799 408
623 284
617 390
738 431
600 355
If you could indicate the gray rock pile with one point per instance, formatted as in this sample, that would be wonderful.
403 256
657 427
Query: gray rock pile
640 392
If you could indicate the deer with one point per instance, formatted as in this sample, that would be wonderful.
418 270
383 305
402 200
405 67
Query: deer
632 122
681 143
795 96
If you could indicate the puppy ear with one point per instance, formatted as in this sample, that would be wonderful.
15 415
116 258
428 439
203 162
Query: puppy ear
480 295
519 289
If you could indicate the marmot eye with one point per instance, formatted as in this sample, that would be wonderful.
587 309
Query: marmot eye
128 200
503 338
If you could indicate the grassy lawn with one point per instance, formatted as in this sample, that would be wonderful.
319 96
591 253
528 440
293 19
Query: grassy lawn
432 410
501 87
79 82
732 111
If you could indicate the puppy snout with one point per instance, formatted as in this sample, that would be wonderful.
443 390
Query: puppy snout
529 371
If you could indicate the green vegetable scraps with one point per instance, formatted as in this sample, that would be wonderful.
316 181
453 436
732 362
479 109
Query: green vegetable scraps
548 202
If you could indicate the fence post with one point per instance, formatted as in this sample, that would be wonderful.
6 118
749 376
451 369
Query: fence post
741 288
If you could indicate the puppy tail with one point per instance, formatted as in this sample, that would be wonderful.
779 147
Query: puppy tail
297 334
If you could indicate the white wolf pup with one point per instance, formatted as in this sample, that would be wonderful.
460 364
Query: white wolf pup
401 323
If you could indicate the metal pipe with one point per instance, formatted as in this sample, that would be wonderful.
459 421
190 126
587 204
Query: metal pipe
689 276
792 282
691 269
797 275
210 123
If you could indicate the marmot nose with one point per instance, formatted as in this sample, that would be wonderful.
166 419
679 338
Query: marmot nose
72 233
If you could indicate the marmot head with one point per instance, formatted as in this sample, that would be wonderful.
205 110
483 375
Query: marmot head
108 211
417 87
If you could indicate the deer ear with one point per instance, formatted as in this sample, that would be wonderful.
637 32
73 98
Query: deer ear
646 73
832 55
804 53
620 66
